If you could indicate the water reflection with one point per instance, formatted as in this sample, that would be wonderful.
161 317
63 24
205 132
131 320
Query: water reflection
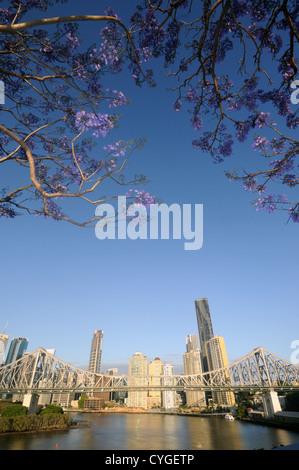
153 432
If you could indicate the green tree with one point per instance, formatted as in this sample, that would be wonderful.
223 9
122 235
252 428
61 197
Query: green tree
241 411
14 410
4 404
52 409
244 401
82 400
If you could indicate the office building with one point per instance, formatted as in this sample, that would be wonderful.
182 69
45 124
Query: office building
96 352
154 372
193 366
113 371
205 329
137 376
106 396
17 348
192 343
168 396
218 358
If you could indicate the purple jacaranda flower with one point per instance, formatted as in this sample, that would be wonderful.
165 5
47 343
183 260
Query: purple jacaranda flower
260 143
197 122
177 105
294 213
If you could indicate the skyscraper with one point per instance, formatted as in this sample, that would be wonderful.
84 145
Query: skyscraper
154 372
218 358
192 366
114 395
205 329
137 376
192 343
168 396
17 348
96 352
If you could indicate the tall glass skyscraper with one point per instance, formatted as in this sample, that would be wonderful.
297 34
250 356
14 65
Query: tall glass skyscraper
17 348
96 352
205 329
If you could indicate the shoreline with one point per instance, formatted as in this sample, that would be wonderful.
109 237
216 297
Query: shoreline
32 423
57 429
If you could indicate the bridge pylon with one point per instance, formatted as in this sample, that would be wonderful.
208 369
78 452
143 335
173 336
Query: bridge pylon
271 404
30 401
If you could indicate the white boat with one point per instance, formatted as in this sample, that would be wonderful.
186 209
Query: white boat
229 417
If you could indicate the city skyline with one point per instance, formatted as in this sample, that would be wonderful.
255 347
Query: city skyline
201 342
174 358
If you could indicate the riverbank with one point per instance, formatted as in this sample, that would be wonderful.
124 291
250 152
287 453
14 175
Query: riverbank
35 423
282 420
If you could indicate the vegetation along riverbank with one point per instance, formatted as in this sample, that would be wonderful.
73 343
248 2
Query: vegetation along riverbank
14 418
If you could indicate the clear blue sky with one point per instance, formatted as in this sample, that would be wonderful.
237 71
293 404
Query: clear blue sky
59 282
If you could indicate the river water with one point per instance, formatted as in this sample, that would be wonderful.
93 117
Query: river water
153 432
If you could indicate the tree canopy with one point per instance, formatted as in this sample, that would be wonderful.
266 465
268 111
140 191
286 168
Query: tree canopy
231 63
14 410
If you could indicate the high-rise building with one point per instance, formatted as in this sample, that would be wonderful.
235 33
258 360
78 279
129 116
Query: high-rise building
192 366
96 352
168 396
213 352
3 343
205 329
154 372
192 343
17 348
116 396
217 352
137 376
218 358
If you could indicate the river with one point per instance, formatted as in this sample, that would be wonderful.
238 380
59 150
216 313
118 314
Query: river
153 432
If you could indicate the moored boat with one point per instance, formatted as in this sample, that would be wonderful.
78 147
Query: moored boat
229 417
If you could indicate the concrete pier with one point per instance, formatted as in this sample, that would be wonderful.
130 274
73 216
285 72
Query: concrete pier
31 401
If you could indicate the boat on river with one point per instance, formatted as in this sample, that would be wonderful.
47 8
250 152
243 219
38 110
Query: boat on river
229 417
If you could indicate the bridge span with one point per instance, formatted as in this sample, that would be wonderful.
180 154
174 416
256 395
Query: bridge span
42 373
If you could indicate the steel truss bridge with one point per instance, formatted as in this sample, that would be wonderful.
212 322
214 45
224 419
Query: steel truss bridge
40 372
